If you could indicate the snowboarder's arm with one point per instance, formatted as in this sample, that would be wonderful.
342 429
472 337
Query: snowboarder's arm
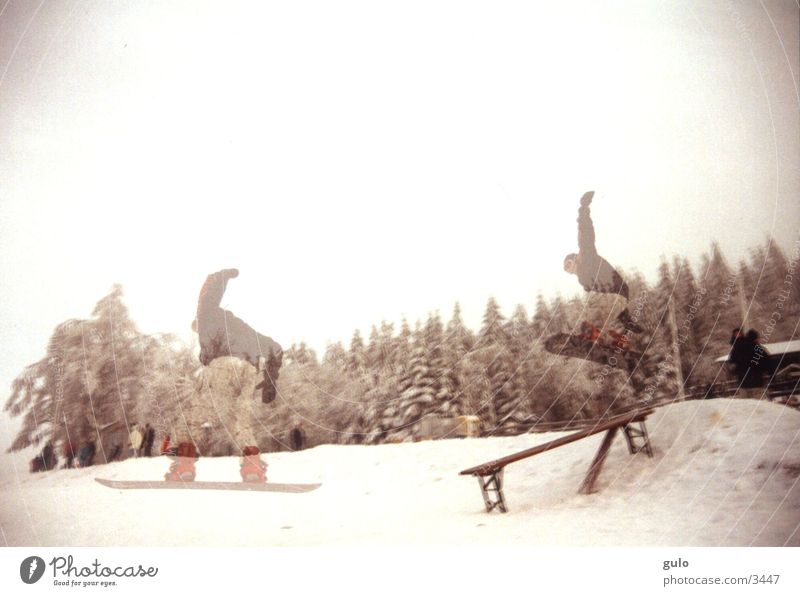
586 227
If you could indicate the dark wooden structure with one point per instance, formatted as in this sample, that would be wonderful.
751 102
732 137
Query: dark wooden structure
490 474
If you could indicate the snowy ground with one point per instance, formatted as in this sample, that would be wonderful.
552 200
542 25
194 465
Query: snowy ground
725 472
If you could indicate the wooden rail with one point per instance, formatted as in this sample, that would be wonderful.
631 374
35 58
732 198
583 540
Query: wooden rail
490 474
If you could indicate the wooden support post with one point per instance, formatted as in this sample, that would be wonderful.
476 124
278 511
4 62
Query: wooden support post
493 484
594 470
632 434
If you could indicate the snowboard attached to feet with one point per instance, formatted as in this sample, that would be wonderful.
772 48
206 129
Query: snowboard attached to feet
246 486
579 346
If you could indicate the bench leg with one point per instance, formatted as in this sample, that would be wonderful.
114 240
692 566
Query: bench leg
594 470
632 434
493 484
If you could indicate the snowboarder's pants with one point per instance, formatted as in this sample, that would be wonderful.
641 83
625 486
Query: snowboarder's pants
602 310
222 407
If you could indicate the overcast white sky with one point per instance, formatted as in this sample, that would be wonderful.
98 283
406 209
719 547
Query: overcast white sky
360 161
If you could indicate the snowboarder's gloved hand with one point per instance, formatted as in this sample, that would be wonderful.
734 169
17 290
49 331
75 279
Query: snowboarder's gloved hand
586 199
230 273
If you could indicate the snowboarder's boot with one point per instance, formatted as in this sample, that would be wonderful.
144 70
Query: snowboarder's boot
253 469
589 332
182 468
630 325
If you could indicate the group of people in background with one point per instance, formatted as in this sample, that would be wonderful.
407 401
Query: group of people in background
48 460
141 442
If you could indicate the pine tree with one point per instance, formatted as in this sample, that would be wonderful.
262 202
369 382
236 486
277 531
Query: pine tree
458 338
356 356
560 321
446 383
715 278
492 330
335 356
542 318
90 378
772 306
689 304
300 355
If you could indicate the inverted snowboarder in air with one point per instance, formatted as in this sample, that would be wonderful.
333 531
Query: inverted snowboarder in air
603 332
224 336
604 284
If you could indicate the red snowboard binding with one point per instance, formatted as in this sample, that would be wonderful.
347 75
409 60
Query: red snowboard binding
620 339
253 468
592 334
182 468
589 332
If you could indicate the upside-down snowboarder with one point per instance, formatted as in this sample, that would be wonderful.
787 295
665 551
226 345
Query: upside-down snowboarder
608 292
230 342
222 333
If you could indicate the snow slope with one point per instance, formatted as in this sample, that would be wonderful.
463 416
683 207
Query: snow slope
725 473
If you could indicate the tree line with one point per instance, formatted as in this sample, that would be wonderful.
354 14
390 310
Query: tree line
102 371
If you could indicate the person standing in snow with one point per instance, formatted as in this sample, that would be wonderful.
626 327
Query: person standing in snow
738 356
148 440
755 358
69 454
607 303
136 440
165 446
86 454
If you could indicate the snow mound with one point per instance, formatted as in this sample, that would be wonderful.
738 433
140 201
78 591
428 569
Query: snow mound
724 473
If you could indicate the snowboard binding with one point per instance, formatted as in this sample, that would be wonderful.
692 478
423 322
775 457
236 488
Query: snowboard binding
182 468
253 468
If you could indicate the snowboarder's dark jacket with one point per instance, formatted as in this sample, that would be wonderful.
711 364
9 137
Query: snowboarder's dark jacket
594 273
224 334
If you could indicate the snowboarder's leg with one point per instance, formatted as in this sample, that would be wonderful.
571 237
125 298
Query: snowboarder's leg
603 310
253 468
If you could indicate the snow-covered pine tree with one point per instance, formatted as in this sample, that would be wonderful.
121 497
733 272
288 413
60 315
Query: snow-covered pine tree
356 357
542 317
772 308
89 379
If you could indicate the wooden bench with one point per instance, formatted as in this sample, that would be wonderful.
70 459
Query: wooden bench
490 474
